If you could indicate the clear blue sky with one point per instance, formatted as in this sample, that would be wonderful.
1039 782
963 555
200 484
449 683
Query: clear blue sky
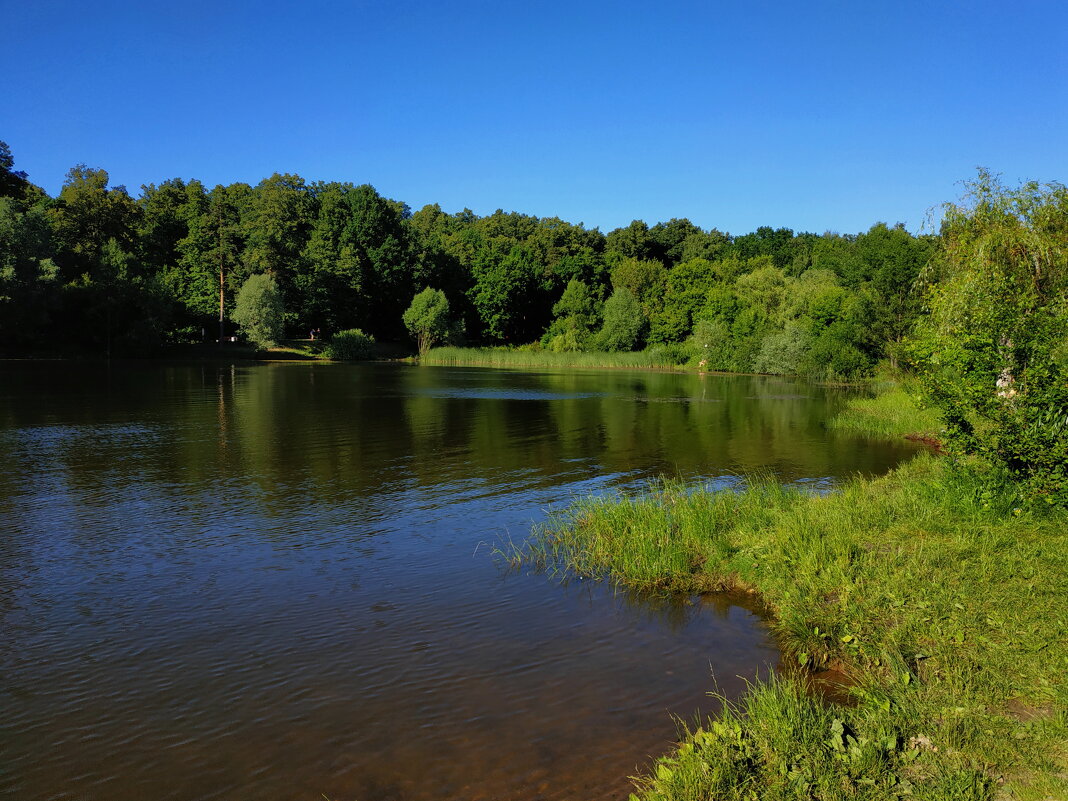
813 115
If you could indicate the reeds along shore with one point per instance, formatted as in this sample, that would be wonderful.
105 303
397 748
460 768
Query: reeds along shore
944 601
666 358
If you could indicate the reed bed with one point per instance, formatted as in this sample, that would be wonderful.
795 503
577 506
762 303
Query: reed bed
663 358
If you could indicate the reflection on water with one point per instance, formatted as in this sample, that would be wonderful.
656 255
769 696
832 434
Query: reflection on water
277 581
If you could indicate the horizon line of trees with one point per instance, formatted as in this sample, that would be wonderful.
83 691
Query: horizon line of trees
979 311
98 270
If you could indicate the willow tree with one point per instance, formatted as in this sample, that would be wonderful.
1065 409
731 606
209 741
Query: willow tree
259 310
427 319
993 351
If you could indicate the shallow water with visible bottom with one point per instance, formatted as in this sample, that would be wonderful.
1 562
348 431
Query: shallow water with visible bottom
280 581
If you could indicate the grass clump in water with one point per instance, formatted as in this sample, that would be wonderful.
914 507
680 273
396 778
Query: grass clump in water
946 603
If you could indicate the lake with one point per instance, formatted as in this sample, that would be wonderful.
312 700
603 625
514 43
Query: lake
280 581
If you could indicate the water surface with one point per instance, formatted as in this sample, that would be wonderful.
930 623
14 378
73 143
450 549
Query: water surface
278 581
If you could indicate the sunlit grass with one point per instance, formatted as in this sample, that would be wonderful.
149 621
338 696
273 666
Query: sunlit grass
892 413
294 349
944 601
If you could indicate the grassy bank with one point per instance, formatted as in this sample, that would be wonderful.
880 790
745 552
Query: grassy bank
286 350
894 412
666 358
945 603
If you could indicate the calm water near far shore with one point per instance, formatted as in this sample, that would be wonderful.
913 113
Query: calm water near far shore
278 580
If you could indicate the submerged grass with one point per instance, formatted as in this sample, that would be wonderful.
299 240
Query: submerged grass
665 358
945 603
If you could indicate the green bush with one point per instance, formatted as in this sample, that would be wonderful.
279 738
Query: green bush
993 353
834 354
669 353
350 345
567 342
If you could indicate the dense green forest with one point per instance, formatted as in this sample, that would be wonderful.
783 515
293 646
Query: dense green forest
96 270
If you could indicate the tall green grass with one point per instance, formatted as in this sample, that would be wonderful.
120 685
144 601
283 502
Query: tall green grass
947 604
894 412
657 357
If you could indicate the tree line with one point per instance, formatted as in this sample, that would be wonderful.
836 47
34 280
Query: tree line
979 312
101 270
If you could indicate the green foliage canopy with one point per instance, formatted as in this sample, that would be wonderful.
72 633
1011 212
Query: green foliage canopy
95 264
577 315
259 311
993 351
427 318
624 323
27 272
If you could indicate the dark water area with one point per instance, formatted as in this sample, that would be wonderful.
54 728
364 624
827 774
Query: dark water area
278 581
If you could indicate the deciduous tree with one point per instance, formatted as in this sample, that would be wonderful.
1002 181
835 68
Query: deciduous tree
427 318
259 311
994 351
